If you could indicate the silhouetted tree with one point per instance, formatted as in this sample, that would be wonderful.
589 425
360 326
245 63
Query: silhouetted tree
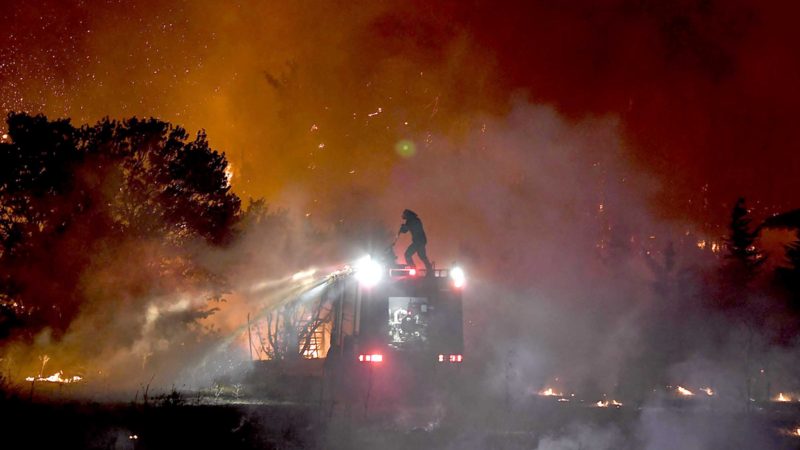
69 194
789 275
742 258
737 293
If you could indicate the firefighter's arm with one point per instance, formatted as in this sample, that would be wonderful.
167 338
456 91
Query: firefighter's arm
403 229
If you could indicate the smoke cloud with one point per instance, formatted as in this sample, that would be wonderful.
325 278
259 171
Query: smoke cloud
553 178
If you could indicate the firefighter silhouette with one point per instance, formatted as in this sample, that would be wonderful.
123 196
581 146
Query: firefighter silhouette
413 225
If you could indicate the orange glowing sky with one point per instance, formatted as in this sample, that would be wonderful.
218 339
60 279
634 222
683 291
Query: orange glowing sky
310 99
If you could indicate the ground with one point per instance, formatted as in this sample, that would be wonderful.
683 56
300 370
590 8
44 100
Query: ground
195 420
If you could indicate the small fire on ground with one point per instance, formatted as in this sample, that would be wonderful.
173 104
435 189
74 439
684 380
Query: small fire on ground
683 391
549 392
57 377
607 403
794 432
782 398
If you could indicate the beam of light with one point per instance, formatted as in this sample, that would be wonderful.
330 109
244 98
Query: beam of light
290 291
304 274
286 281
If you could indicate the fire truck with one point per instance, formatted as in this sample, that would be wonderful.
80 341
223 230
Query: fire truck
374 332
397 335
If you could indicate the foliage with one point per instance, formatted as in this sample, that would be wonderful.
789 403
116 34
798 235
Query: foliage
744 258
740 268
788 277
70 194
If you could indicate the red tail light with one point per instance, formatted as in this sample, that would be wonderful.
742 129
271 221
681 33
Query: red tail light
451 358
371 358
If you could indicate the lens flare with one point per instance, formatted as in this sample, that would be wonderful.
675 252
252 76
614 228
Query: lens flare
458 276
405 148
368 271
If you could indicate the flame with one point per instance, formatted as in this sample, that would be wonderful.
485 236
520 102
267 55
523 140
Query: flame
56 378
607 403
549 392
794 432
709 392
685 392
782 398
714 246
229 173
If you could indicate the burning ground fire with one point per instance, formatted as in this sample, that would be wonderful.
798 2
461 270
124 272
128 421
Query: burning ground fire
782 398
683 391
607 403
549 392
794 432
57 377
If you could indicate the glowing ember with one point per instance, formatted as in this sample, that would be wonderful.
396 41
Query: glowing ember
709 392
783 398
685 392
56 378
549 392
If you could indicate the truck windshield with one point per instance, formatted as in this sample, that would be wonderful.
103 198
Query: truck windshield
408 323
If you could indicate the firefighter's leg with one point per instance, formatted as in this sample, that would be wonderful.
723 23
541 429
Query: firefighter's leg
424 257
409 253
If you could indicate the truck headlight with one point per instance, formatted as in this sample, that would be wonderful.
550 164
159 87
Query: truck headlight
368 271
458 276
